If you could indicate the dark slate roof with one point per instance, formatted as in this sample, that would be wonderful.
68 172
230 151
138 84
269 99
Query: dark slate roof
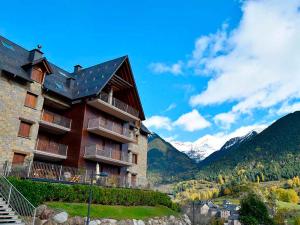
12 58
90 81
87 82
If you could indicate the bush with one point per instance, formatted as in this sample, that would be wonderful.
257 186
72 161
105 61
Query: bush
254 211
297 221
287 195
39 192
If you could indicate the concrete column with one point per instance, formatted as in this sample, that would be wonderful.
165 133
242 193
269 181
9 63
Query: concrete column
110 96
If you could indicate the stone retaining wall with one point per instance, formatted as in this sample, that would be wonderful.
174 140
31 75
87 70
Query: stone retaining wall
47 216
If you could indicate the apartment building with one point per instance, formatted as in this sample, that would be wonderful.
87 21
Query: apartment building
88 118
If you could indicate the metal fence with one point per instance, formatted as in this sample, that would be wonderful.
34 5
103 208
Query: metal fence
22 207
59 173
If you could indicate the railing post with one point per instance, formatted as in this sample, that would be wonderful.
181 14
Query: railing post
29 168
9 194
60 169
34 214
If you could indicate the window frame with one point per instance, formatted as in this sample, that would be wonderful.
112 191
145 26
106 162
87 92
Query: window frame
29 95
134 158
20 134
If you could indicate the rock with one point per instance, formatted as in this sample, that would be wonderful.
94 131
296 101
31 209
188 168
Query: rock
61 217
40 209
50 222
140 222
93 222
38 221
108 222
98 222
46 214
77 220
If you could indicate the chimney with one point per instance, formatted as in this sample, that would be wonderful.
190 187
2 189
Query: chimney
77 68
36 53
70 82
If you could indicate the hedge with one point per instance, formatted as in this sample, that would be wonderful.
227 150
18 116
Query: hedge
39 192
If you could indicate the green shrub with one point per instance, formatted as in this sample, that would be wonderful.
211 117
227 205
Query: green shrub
39 192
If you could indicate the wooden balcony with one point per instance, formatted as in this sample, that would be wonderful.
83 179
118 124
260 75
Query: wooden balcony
54 122
109 129
50 150
115 107
107 155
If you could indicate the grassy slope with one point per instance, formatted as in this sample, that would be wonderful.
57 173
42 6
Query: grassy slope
113 212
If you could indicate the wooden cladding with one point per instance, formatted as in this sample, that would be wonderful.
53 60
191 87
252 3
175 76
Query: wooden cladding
31 100
37 75
18 158
24 129
134 158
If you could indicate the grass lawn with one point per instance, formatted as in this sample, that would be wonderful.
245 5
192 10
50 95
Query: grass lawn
287 205
113 212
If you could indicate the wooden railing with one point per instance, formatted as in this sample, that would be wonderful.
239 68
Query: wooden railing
108 152
51 147
119 104
56 118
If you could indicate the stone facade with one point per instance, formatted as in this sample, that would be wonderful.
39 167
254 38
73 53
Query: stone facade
12 109
140 148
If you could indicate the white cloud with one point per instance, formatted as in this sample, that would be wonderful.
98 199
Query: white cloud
159 68
170 107
192 121
158 122
225 119
255 65
288 108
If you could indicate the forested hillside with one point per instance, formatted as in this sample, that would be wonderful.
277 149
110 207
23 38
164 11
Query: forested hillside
270 155
167 164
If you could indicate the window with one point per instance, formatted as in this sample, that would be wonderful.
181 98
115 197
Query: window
18 158
133 180
24 129
30 100
134 158
37 75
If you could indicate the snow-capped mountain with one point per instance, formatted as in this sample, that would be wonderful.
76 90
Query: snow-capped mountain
236 141
208 144
201 148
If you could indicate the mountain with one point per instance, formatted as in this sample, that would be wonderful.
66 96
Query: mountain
166 164
229 145
272 154
199 149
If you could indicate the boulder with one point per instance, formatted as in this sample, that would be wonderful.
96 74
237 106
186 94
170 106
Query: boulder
77 220
50 222
61 217
46 214
93 222
108 222
39 210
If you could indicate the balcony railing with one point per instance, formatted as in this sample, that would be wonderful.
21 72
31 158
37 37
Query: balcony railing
51 147
119 104
55 118
107 152
109 125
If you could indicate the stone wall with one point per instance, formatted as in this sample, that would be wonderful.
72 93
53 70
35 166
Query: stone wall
140 148
12 109
46 216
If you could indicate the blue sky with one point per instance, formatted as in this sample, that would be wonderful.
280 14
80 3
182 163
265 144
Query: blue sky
202 67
